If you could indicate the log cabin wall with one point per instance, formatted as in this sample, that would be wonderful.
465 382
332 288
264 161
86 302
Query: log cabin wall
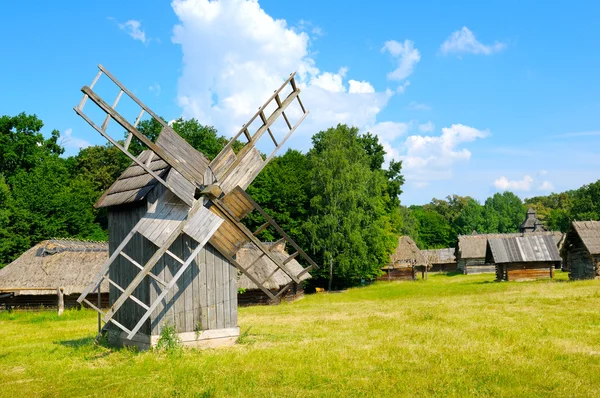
204 298
524 271
579 262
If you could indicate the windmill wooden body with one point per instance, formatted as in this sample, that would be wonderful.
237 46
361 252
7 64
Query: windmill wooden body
176 224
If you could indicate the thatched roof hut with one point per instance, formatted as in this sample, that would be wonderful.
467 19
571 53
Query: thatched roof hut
440 260
54 263
527 257
403 261
581 250
262 268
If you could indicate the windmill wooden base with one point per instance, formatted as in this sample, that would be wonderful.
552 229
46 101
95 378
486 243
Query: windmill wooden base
205 339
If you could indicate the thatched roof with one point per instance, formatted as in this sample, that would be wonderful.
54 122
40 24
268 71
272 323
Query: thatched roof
264 267
406 251
439 256
589 232
474 246
522 249
134 183
54 263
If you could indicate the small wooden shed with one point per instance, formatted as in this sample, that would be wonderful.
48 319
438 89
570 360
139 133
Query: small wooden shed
471 250
581 250
404 261
32 279
261 268
527 257
440 260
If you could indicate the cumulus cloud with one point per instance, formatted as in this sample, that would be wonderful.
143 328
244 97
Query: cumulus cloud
504 184
432 157
134 29
407 55
401 88
546 186
427 127
464 41
235 55
68 141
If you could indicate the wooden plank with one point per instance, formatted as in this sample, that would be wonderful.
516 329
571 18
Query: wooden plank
216 221
150 264
233 304
219 291
210 290
188 288
222 162
203 291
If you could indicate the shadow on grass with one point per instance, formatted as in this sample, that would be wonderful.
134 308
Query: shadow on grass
77 344
454 273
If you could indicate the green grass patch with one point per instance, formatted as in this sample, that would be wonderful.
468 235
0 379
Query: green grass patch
460 335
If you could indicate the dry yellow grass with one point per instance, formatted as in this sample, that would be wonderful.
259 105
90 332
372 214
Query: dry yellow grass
450 336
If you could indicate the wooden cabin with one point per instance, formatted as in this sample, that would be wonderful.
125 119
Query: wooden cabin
404 262
440 260
526 257
471 250
32 280
202 306
581 250
261 268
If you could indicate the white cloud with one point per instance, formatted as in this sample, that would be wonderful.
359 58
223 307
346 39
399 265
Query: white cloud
427 127
401 88
133 29
432 157
389 131
546 186
68 141
154 88
360 87
504 184
415 106
464 41
235 55
407 56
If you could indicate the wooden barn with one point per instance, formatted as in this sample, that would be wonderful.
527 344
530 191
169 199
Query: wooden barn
440 260
404 261
581 250
526 257
32 279
205 301
262 269
471 250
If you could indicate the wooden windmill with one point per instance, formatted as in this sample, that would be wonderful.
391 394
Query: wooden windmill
193 219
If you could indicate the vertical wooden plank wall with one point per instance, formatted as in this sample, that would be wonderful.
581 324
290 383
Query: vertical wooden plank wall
205 297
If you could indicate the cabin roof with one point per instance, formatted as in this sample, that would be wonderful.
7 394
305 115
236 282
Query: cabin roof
520 249
407 250
589 232
54 263
265 267
474 246
439 256
134 183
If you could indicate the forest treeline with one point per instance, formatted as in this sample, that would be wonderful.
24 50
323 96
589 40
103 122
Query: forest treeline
338 200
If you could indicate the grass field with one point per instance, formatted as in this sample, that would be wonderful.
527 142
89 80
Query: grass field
449 336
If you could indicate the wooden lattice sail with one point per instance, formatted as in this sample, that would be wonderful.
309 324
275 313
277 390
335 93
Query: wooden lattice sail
204 200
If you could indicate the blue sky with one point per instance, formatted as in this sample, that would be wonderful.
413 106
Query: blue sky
474 97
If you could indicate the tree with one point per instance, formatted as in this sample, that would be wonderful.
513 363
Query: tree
503 213
349 227
434 230
22 146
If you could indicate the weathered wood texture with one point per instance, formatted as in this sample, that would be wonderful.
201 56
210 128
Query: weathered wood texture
33 301
524 271
447 267
581 258
258 297
406 273
205 290
475 266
